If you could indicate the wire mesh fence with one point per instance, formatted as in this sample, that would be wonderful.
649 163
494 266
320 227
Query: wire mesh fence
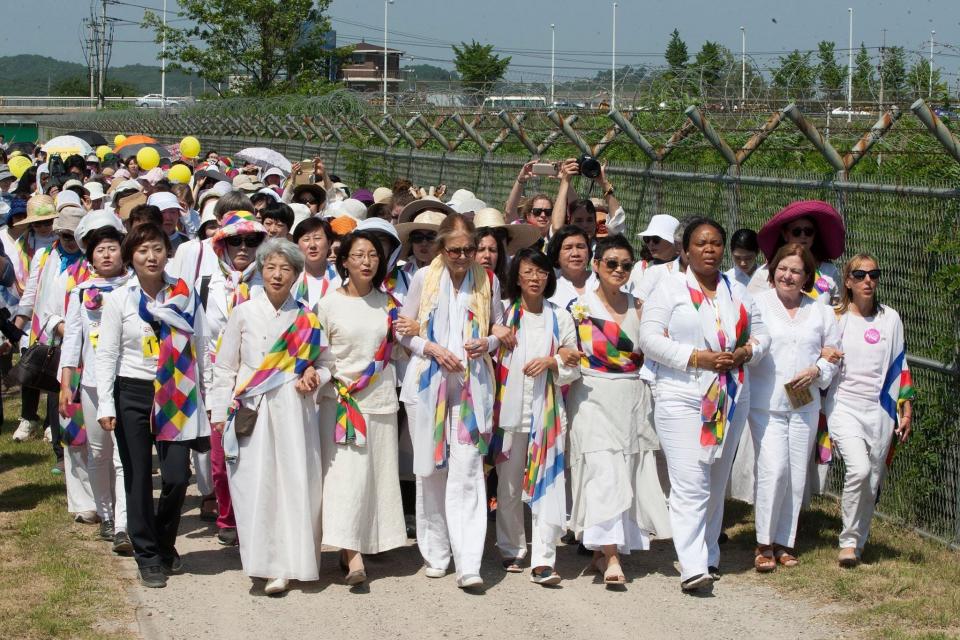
896 217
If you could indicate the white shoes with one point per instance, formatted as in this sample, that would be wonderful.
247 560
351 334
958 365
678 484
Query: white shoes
47 435
276 586
24 430
433 572
470 581
86 517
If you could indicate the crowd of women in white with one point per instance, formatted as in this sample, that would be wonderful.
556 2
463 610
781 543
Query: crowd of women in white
563 358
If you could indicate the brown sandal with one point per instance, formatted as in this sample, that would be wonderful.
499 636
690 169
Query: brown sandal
763 560
784 557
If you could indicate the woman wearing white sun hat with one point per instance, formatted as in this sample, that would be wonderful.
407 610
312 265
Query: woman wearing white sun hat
659 239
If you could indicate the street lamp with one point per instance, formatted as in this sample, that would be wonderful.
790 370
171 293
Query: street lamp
850 70
930 81
743 67
386 5
553 51
613 62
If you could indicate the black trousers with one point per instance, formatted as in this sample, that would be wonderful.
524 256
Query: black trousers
152 529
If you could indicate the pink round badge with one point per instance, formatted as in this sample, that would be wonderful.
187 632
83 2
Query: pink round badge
872 336
822 284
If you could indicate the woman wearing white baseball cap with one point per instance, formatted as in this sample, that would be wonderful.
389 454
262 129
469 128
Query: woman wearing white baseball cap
659 240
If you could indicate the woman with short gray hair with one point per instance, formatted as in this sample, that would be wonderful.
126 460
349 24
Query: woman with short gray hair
262 401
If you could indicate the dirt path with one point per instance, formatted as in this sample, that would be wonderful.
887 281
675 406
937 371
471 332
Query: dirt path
214 599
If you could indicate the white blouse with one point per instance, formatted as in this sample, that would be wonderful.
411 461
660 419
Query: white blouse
759 282
795 344
739 276
216 312
192 260
51 285
643 282
81 338
866 346
566 293
670 331
122 349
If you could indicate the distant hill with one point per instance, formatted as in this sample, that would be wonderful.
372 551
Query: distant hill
33 75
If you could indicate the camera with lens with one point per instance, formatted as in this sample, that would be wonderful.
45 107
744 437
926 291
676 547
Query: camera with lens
589 166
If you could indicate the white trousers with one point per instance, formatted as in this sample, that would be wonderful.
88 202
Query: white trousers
784 444
863 444
697 490
621 530
452 506
204 472
103 466
511 537
79 493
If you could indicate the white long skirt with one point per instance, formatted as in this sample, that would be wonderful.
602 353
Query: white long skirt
276 488
362 509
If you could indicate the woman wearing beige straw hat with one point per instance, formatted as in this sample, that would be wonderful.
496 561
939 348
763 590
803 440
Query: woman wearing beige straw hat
417 228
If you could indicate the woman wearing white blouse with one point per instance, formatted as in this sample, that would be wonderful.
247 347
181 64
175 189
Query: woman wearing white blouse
532 421
783 406
362 509
100 240
569 251
147 323
319 277
448 390
700 330
262 401
870 405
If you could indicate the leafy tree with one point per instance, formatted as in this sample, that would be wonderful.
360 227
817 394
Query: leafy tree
830 76
676 53
430 72
918 81
710 62
80 86
894 72
265 41
864 78
479 66
795 73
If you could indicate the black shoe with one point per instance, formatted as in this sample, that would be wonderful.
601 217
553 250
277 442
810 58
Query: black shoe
227 537
172 566
714 573
152 577
697 582
121 543
569 538
722 538
583 551
106 531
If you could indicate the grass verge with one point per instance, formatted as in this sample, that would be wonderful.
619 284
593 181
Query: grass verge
56 581
906 587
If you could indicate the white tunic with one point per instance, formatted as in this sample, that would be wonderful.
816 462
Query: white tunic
759 282
276 483
643 282
566 293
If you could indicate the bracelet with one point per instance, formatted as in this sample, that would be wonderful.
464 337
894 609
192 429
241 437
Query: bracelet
693 361
608 192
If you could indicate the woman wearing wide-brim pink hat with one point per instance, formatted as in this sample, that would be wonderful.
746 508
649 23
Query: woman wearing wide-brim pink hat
813 224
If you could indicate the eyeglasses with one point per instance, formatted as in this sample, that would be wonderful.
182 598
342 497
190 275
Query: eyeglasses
456 252
651 240
860 274
534 274
365 257
539 211
422 236
249 241
809 232
626 265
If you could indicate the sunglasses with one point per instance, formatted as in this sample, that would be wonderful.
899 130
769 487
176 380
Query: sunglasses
612 265
809 232
536 213
68 237
307 201
860 274
455 252
651 240
250 242
422 236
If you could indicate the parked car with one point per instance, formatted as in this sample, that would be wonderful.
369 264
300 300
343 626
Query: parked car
155 100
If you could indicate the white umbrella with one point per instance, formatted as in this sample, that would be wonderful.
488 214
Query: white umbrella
264 158
66 146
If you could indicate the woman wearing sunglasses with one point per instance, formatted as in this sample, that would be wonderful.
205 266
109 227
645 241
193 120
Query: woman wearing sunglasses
870 405
448 391
700 331
235 245
785 400
617 500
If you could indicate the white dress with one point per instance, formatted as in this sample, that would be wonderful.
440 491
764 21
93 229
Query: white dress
362 509
617 497
276 482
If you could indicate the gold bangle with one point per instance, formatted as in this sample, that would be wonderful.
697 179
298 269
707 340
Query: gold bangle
693 360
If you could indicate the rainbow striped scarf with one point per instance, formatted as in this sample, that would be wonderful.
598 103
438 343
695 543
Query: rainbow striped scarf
897 388
77 272
73 428
726 327
176 400
397 283
303 287
25 251
351 427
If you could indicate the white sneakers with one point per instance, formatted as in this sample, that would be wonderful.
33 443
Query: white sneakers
24 430
47 435
276 586
433 572
470 581
86 517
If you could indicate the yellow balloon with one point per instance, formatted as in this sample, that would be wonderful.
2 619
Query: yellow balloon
178 173
148 158
19 165
190 147
103 150
117 139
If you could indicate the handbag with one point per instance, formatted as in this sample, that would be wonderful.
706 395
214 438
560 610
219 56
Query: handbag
244 420
37 368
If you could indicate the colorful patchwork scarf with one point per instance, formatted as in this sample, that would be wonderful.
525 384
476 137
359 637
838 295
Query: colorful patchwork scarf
475 420
73 428
351 426
897 388
397 282
26 245
297 348
176 401
237 283
726 327
92 291
303 288
605 346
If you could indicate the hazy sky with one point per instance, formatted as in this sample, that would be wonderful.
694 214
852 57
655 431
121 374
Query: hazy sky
424 29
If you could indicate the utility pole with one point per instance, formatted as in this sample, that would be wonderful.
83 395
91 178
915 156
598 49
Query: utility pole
883 52
91 58
613 63
553 51
163 60
743 68
103 53
386 4
930 81
850 70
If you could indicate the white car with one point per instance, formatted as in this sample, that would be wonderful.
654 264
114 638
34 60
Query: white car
156 100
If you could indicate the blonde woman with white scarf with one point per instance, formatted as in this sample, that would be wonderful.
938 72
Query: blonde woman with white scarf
448 389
